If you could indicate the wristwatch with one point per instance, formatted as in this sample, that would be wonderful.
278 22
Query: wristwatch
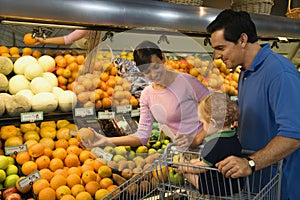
251 164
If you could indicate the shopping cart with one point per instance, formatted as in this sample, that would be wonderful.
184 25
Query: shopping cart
263 184
156 182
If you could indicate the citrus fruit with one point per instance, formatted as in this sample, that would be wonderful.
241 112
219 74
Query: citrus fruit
47 193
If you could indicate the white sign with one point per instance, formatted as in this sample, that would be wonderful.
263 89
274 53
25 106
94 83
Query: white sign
100 153
32 116
82 112
106 115
15 149
29 180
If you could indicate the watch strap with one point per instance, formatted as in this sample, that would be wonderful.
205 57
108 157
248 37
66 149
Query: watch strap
252 166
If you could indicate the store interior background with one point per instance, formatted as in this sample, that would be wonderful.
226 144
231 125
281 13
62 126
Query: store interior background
12 35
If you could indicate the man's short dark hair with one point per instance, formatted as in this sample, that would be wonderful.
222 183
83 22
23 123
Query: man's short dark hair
234 24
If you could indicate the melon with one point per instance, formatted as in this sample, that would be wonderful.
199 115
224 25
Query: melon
26 93
17 83
18 104
44 101
3 83
40 84
67 100
47 62
6 65
22 62
51 78
33 70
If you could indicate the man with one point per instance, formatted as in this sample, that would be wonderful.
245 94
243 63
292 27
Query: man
268 98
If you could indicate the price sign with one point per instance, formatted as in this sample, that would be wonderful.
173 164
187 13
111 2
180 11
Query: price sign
32 116
83 112
106 115
100 153
135 113
123 109
29 180
15 149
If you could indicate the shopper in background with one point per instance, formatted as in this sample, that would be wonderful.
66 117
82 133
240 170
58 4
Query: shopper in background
218 115
171 100
79 36
268 98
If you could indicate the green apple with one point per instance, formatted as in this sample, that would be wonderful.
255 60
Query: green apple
2 175
151 151
131 155
11 180
11 169
118 158
110 149
4 161
11 160
120 150
141 150
175 178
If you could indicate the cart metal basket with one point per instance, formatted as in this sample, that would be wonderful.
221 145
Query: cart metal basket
263 184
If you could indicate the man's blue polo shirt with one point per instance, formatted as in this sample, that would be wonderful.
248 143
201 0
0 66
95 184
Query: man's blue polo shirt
269 101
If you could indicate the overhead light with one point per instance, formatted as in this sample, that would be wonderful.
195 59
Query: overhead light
283 39
9 22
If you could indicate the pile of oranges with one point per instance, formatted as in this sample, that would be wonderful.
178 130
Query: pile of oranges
67 171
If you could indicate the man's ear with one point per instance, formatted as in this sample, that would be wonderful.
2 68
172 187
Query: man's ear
244 39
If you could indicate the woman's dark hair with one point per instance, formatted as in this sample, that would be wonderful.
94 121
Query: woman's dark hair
143 52
234 24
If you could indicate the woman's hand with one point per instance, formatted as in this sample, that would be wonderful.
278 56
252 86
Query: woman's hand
183 141
93 140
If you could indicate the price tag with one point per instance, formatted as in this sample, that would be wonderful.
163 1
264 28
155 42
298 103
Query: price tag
29 180
83 112
135 113
124 109
15 149
100 153
106 115
32 116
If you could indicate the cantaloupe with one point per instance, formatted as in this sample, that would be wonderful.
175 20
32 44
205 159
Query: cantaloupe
44 101
17 83
17 105
22 62
40 84
3 83
6 65
47 62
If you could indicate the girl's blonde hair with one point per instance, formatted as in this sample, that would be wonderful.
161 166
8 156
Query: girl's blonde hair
219 108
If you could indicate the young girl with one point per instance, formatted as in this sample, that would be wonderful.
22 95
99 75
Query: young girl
218 115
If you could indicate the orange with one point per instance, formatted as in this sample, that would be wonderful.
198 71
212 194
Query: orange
62 191
28 39
25 189
60 153
76 189
63 133
62 62
74 149
22 157
112 188
4 49
39 185
74 170
55 164
36 150
73 141
47 193
92 187
100 194
48 152
57 181
42 162
83 196
48 142
26 51
72 160
30 142
84 155
98 163
36 53
46 174
48 131
14 50
89 161
106 102
61 143
73 179
29 167
68 197
133 101
80 59
104 171
105 183
86 167
88 176
114 71
63 172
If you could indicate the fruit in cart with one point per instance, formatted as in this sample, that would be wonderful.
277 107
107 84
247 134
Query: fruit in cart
101 193
118 179
175 178
160 173
127 173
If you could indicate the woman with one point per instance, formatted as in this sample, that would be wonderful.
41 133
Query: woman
171 99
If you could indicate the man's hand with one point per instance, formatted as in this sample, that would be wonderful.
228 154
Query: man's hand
234 167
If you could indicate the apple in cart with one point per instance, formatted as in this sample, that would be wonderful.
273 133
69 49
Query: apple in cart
175 178
160 173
